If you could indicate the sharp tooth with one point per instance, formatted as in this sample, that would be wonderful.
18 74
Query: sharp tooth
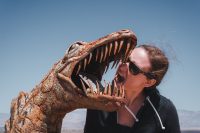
79 68
105 88
102 51
129 52
106 51
85 80
120 91
115 89
114 64
110 48
97 54
127 49
85 63
89 84
97 85
123 91
120 45
127 55
115 47
109 89
90 57
88 90
106 68
117 63
84 88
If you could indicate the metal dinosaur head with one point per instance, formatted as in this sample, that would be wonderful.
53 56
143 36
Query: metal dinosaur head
85 63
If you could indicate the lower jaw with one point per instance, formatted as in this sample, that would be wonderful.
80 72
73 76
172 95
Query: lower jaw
119 84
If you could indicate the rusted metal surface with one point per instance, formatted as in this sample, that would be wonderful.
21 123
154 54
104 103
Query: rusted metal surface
63 90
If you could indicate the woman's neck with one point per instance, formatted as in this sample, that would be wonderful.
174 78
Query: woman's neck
124 117
137 102
135 96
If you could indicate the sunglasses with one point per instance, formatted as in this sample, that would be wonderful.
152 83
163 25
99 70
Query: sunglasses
135 70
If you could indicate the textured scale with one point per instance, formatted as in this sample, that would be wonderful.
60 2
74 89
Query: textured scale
43 109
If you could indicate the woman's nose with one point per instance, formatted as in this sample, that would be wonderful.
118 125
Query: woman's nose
123 67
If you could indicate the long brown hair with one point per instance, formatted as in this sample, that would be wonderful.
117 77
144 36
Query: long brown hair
159 62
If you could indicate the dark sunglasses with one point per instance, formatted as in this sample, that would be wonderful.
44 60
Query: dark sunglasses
135 70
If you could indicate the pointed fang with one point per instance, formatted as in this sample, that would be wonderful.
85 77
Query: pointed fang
97 54
115 61
120 45
106 51
84 88
90 57
105 88
90 86
97 85
79 68
85 63
115 47
102 51
127 49
109 89
110 49
123 92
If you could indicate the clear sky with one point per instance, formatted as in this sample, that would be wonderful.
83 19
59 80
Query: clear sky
34 34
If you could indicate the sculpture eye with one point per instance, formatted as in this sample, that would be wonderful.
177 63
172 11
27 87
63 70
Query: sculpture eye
75 46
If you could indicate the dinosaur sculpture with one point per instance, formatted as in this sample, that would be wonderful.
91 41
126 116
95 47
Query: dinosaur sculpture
73 82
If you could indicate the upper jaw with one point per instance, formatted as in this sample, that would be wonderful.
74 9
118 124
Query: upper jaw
88 52
90 61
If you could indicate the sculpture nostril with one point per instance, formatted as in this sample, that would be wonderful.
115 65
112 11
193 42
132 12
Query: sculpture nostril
80 43
125 30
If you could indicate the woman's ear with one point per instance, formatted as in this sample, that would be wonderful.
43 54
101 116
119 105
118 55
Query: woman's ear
150 82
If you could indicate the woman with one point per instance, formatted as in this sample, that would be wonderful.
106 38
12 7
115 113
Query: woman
147 111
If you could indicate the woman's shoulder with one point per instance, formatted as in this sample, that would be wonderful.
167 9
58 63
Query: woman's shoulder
168 111
169 115
166 103
163 105
160 101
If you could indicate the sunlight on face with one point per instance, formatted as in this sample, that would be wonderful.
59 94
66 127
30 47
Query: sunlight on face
140 57
135 84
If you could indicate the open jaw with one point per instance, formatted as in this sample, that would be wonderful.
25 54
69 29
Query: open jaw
88 72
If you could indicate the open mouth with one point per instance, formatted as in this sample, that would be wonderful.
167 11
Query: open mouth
88 72
120 80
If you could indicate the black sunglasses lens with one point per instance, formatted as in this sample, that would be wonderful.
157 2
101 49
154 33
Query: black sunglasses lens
133 68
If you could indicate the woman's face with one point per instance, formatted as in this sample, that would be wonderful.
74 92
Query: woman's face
134 84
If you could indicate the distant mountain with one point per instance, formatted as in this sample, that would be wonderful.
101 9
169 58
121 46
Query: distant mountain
76 120
189 119
3 118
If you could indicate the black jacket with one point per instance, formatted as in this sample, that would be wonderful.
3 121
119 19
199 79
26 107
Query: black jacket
106 122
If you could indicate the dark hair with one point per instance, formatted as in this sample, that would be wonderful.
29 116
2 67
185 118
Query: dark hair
159 62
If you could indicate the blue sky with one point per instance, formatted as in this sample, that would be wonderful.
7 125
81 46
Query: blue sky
35 34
